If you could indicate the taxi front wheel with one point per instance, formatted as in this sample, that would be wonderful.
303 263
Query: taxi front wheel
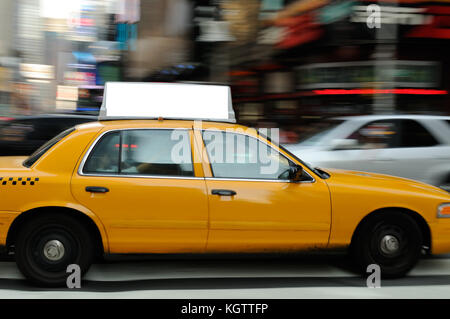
46 245
392 240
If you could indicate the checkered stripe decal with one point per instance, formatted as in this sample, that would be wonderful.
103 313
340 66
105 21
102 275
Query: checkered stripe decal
18 180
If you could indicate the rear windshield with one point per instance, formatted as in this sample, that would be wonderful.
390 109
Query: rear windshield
44 148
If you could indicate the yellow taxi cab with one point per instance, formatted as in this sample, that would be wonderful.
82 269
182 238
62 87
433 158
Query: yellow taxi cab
165 185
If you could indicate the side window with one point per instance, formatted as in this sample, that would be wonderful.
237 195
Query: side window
142 152
235 155
415 135
104 158
375 135
156 152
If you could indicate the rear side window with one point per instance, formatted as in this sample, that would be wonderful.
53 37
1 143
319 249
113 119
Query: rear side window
415 135
142 152
375 135
104 158
44 148
156 152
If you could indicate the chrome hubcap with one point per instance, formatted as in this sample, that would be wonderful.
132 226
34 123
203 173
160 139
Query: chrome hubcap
389 245
54 250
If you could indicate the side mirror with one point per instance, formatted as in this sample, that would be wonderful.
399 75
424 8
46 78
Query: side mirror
344 144
296 173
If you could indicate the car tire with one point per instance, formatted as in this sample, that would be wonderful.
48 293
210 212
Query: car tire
392 240
47 244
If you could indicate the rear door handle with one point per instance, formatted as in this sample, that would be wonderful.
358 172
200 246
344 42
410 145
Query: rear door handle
96 189
223 192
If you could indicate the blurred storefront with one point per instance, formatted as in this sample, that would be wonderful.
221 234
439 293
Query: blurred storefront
319 58
163 41
47 45
288 61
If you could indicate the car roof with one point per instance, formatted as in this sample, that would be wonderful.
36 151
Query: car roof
392 117
152 123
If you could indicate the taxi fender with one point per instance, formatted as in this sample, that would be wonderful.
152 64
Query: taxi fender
80 208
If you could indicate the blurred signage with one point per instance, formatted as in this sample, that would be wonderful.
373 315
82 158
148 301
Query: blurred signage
57 9
271 5
206 13
438 26
243 18
66 97
126 36
215 31
128 11
211 29
81 20
413 74
67 93
105 51
271 35
299 30
336 12
393 15
79 78
37 71
4 79
299 7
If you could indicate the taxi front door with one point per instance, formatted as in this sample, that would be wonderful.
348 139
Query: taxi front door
253 209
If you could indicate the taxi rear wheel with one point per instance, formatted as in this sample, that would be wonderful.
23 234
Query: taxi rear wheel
392 240
46 245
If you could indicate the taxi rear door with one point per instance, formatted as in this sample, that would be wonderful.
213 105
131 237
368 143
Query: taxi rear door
145 187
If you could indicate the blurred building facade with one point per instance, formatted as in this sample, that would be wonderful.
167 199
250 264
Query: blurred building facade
287 61
317 58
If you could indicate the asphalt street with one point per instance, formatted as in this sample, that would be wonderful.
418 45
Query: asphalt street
272 278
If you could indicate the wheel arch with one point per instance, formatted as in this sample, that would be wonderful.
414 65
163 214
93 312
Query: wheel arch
418 218
93 228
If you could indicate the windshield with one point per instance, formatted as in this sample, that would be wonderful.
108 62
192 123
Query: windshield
317 131
44 148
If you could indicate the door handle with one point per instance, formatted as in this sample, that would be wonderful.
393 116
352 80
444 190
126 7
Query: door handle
223 192
96 189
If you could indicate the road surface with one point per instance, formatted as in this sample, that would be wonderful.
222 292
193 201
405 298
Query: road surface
286 278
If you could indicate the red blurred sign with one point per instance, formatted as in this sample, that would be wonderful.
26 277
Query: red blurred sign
299 30
439 26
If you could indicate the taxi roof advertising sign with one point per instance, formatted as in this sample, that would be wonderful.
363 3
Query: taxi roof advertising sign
167 101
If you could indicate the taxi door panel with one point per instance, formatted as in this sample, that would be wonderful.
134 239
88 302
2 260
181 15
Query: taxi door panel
263 215
147 214
268 216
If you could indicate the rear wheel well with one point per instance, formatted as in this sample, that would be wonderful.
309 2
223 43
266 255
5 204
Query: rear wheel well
421 222
26 216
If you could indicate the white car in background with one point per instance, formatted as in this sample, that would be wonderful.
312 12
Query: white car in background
411 146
